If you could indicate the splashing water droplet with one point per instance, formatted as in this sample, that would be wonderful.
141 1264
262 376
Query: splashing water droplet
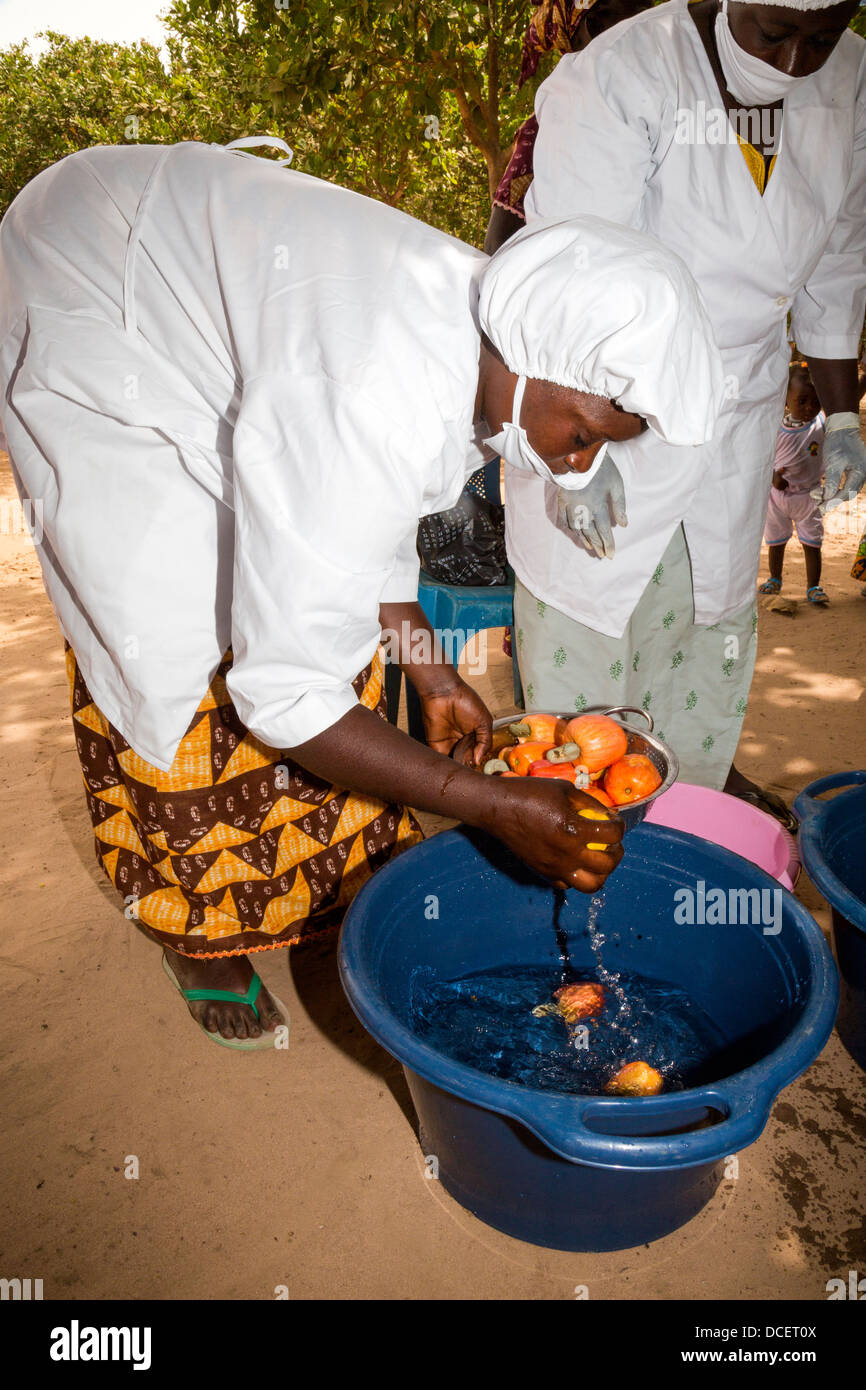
610 978
566 974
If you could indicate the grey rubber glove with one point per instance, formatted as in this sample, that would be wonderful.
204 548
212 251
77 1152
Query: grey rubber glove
844 456
591 513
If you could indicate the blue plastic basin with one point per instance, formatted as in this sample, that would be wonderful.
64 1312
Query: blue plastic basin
833 850
588 1172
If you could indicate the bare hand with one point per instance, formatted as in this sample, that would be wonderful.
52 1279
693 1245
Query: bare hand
454 712
560 832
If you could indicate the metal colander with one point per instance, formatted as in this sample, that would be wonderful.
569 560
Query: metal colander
663 758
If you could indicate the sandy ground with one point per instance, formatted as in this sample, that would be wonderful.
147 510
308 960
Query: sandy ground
300 1169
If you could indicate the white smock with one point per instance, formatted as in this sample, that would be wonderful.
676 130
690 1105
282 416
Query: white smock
234 389
608 145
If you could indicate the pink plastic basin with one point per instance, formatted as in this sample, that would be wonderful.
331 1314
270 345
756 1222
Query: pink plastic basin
728 821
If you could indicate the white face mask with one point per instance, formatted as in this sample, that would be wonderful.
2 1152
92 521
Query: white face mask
512 444
748 78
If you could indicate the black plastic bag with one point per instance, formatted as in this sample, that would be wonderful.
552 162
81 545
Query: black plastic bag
466 544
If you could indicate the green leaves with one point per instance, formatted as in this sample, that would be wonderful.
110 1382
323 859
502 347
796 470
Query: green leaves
352 88
437 39
78 93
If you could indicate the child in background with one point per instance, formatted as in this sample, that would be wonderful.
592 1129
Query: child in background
796 470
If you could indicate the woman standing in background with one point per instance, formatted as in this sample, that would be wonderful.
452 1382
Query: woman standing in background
557 26
646 128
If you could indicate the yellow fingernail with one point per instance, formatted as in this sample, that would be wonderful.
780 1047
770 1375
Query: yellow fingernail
600 814
598 846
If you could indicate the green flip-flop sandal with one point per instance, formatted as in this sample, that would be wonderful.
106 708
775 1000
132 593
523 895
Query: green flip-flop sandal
260 1044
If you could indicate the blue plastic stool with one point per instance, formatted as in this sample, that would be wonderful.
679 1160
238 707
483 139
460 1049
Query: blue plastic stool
466 609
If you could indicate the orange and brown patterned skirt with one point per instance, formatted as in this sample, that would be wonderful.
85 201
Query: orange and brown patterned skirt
236 848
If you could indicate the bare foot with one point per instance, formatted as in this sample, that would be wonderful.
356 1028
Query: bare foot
235 1022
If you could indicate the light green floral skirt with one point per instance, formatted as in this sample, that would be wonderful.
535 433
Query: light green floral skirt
694 681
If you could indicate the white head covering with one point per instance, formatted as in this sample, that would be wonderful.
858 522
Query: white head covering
600 308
